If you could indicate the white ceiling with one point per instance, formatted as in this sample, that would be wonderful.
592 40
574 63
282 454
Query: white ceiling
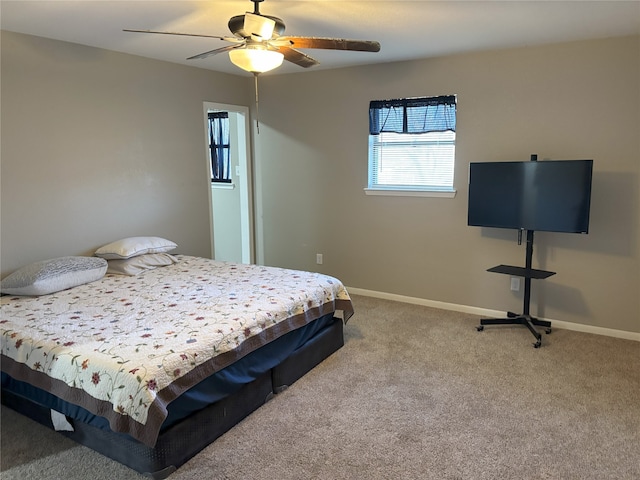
405 29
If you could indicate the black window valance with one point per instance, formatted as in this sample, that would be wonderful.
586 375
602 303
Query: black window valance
413 115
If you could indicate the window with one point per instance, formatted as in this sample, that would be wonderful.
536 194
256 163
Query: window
219 147
412 146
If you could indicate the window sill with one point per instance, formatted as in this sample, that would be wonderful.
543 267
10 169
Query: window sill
410 193
222 186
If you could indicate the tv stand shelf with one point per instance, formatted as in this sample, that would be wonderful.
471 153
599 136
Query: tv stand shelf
521 272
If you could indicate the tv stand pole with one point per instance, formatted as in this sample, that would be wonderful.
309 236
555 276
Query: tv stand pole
525 318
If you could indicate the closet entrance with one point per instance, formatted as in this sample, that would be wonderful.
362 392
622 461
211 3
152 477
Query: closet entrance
230 182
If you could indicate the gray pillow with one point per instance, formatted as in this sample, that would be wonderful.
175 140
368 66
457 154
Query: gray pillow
49 276
140 263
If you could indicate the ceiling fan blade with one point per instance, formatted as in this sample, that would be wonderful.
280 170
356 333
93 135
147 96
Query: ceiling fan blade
279 42
214 52
295 56
174 33
333 43
258 26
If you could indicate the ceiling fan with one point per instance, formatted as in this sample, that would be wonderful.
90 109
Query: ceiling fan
258 44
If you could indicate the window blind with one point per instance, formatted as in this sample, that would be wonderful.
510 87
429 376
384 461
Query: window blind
421 161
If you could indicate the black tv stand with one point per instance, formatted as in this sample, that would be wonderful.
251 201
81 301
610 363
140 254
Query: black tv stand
525 318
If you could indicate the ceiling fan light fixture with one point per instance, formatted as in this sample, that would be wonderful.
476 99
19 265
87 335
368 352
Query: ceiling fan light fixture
256 58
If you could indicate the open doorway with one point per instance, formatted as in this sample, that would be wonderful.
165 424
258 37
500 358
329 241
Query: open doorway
230 202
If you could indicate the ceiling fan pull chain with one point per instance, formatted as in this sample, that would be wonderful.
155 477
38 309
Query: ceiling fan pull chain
255 76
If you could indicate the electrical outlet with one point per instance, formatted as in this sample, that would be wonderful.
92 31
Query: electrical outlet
319 258
515 284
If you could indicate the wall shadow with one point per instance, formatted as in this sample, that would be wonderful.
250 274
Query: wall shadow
613 221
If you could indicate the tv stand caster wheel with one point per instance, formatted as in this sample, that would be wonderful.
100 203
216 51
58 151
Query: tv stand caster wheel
537 344
480 328
548 331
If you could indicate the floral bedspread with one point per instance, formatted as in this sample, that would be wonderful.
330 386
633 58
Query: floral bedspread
124 347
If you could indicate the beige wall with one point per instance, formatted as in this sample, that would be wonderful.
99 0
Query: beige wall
570 101
98 145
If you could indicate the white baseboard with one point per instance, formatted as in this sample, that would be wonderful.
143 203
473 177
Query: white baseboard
578 327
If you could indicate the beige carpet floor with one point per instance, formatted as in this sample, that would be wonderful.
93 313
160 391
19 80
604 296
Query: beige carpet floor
415 393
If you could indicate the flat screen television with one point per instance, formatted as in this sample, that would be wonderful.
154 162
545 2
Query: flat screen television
550 195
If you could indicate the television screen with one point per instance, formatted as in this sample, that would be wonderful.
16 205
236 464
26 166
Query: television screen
552 195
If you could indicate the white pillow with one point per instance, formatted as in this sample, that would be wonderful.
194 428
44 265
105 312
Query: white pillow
140 263
133 246
49 276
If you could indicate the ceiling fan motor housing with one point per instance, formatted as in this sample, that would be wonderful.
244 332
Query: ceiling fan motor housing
236 26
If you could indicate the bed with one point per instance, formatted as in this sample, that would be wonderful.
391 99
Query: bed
150 368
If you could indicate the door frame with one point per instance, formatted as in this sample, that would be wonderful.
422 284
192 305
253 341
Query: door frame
243 140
